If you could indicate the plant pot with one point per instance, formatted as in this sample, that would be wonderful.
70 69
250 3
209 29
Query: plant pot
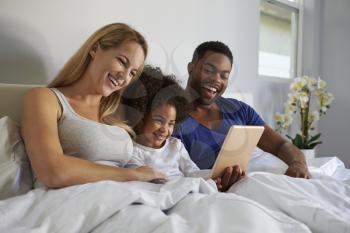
309 153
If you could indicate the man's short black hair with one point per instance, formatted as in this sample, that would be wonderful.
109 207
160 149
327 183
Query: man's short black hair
154 89
215 46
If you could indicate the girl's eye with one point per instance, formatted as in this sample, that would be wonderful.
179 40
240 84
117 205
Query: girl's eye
159 121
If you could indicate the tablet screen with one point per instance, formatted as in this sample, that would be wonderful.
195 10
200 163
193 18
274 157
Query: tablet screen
237 148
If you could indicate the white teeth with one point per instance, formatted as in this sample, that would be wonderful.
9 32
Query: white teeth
116 82
213 89
160 137
113 81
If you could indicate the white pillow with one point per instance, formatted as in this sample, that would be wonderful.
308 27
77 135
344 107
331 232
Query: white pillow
15 172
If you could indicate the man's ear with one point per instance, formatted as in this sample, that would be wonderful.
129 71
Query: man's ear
190 67
93 49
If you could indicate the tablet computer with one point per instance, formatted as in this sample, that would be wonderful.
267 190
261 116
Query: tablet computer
237 148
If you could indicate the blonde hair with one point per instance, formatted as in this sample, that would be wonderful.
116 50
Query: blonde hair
109 36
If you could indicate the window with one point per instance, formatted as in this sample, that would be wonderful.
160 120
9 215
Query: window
280 38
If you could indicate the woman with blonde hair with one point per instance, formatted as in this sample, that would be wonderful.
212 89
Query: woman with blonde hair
69 129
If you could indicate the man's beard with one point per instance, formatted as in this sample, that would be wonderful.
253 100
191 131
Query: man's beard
195 91
204 101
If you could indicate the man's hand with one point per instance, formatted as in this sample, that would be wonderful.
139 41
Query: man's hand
275 144
230 176
298 169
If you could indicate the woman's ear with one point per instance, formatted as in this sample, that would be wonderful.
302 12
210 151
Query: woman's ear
93 50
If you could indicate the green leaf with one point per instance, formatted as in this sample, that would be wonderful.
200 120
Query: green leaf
314 138
298 141
312 145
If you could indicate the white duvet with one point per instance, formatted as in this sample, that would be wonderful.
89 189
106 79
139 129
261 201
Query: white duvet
261 202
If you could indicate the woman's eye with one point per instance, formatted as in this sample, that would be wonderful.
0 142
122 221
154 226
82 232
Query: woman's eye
121 61
132 74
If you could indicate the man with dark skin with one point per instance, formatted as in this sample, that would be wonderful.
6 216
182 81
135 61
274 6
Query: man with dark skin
204 131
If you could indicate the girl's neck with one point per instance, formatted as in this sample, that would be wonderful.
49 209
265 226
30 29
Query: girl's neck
143 141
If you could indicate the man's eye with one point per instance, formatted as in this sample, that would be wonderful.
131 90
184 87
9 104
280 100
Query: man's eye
224 76
208 71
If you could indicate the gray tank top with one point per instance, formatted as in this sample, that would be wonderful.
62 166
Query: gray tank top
94 141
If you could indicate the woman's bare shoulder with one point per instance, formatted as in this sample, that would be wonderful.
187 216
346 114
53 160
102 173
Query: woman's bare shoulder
40 95
41 98
39 92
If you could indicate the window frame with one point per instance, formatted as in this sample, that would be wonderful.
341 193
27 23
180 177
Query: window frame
299 7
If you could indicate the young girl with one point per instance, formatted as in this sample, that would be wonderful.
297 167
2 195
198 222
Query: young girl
157 103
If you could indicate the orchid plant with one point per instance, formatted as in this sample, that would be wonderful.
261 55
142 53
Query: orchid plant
303 90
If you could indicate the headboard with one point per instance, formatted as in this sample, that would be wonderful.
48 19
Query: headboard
11 98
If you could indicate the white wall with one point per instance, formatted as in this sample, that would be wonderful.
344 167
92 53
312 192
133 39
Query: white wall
335 69
38 36
312 37
326 51
43 34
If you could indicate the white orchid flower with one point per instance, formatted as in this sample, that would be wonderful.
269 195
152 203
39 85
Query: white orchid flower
311 83
293 98
279 117
298 84
321 84
313 117
303 100
302 91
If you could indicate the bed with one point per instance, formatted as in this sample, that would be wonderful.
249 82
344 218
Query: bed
264 201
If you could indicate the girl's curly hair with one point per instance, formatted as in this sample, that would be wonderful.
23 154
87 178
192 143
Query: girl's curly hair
154 89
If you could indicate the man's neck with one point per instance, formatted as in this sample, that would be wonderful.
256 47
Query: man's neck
208 115
202 108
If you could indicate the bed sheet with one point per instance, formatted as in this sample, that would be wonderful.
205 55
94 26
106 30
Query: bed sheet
181 205
264 201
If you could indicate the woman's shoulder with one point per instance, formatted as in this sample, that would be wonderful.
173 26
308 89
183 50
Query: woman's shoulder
40 98
40 95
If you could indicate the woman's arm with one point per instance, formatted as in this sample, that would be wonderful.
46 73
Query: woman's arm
40 113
